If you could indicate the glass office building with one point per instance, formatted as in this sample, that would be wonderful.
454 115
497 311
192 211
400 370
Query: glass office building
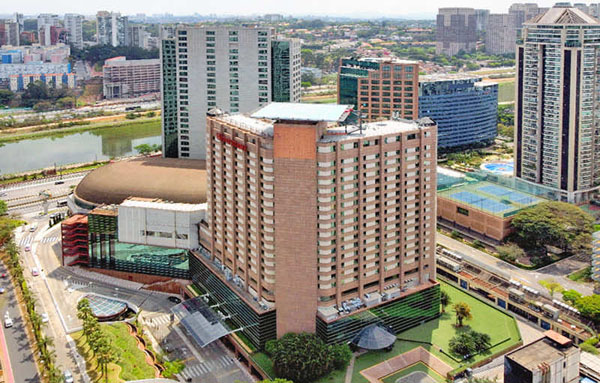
464 108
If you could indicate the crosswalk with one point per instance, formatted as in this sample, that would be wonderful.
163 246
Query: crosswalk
27 240
160 320
195 370
50 239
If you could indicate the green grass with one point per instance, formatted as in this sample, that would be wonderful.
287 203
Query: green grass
486 319
141 122
131 364
583 275
264 362
329 100
506 91
414 368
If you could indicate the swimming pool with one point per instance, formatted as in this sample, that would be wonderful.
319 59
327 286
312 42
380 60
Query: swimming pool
503 168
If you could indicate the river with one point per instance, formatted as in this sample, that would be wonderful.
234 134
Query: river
70 148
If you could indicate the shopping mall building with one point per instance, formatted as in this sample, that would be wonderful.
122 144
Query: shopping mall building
299 223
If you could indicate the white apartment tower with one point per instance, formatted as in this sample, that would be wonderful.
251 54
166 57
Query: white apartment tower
44 22
74 27
556 123
208 67
112 29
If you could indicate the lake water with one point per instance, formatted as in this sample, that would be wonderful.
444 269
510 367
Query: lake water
97 144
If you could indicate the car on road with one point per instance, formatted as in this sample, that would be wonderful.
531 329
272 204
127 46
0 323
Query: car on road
27 247
2 290
3 194
45 317
3 275
68 377
7 321
33 228
35 272
174 299
59 182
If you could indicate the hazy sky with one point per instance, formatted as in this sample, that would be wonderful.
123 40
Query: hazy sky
249 7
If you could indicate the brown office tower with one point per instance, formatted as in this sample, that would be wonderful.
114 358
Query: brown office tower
315 225
380 88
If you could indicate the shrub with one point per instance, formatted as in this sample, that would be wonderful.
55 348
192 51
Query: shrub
589 348
510 252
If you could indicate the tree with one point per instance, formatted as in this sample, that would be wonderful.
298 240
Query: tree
6 96
552 286
553 223
510 252
145 149
445 300
571 296
481 341
3 207
462 311
469 342
305 357
589 307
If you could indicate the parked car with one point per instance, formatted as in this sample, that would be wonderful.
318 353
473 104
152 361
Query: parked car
35 272
174 299
59 182
45 317
68 377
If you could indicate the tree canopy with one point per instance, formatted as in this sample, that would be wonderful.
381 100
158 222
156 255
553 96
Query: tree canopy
305 357
553 223
571 296
99 53
468 343
589 307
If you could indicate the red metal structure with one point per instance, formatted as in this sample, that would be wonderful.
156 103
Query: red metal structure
75 240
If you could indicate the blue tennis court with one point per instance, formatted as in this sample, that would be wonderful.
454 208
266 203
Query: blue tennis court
513 196
481 202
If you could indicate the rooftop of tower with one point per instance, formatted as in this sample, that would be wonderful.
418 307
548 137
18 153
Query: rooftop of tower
563 14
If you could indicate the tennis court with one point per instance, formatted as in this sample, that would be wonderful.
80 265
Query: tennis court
511 195
106 308
491 198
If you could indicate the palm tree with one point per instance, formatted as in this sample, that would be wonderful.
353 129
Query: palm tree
445 300
36 321
463 311
44 343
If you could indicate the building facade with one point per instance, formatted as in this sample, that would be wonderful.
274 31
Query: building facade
124 78
499 38
74 26
552 358
555 122
285 70
18 82
456 30
518 14
596 257
215 67
45 22
358 202
464 108
380 88
9 33
112 29
139 37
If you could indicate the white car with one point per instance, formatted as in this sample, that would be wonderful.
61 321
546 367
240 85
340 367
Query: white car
68 377
27 247
7 321
33 228
45 318
35 272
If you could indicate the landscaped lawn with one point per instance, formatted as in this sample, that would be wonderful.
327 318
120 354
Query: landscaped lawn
487 319
415 367
132 361
583 275
506 91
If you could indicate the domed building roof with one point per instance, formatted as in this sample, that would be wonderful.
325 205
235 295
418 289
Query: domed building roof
169 179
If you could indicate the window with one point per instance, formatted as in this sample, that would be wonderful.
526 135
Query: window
462 211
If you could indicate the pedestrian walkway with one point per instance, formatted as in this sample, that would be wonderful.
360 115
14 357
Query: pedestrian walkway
50 239
28 240
197 370
105 278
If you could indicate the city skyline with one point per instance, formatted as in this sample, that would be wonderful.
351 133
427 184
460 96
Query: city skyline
355 9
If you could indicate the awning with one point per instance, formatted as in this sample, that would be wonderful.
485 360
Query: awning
202 323
374 337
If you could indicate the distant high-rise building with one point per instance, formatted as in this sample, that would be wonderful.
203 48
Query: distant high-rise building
555 115
45 21
380 87
9 33
53 35
456 30
229 68
499 37
582 7
518 14
594 10
74 27
285 70
112 29
481 19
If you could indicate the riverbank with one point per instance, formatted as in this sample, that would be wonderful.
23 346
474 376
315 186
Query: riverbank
10 179
138 122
